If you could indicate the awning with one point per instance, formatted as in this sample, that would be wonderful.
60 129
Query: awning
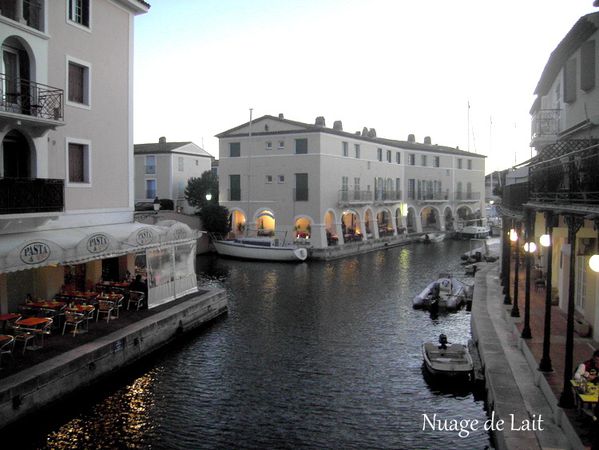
21 251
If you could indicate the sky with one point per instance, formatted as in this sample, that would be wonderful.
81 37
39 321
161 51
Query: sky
462 72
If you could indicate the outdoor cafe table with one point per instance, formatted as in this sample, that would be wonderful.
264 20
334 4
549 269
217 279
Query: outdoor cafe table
107 285
586 401
33 325
47 305
5 318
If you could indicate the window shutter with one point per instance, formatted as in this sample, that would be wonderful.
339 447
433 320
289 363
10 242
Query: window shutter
587 66
76 170
570 81
85 13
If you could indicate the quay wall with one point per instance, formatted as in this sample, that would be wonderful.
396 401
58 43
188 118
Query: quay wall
356 248
27 391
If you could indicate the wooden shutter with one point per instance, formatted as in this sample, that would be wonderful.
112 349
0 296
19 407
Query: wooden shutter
570 81
76 163
76 74
587 66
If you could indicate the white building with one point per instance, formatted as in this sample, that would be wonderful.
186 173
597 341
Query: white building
330 186
163 169
66 133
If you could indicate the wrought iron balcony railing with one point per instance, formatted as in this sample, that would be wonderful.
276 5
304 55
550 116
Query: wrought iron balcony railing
545 124
387 196
431 196
31 195
566 172
29 11
27 97
354 197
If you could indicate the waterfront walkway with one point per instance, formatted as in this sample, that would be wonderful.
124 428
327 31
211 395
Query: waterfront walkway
514 383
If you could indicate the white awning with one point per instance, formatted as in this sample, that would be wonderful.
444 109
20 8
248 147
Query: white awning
23 251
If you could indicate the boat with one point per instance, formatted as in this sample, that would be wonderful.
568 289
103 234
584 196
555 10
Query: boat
262 248
446 359
427 238
445 292
473 229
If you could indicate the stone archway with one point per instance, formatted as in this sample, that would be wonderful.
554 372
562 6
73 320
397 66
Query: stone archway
17 156
238 223
265 223
384 223
429 218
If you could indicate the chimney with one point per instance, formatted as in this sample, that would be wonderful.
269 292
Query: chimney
281 116
162 143
319 122
427 140
372 133
364 131
338 125
358 133
411 138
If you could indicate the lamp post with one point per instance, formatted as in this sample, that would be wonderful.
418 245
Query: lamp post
514 238
545 364
208 197
529 249
508 267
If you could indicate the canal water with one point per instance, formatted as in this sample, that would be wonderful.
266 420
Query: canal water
310 355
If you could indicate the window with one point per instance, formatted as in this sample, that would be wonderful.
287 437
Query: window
398 158
423 160
459 163
301 146
388 155
79 12
234 149
469 162
398 187
344 183
412 159
268 145
357 150
587 66
357 184
151 189
301 187
379 154
268 179
197 163
181 164
345 149
570 81
281 145
78 85
411 188
437 161
234 187
150 164
78 160
280 179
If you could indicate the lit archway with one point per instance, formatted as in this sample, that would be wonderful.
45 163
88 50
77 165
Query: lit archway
303 228
265 223
385 223
350 225
238 222
429 218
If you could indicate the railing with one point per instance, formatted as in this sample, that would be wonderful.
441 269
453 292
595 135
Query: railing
387 196
467 196
566 172
30 98
29 10
426 196
545 124
31 195
300 194
355 197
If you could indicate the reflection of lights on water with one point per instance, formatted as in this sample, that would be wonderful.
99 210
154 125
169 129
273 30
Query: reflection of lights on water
119 420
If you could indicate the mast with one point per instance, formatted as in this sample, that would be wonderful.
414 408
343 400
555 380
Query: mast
249 170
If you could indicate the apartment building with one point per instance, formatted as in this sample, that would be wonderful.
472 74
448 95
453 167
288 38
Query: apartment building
66 128
331 186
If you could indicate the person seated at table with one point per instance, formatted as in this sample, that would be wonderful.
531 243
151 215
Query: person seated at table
588 369
138 285
28 299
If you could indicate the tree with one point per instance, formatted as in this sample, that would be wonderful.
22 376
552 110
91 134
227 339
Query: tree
215 218
197 188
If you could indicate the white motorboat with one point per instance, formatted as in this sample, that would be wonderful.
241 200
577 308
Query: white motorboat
427 238
473 229
447 359
263 248
445 293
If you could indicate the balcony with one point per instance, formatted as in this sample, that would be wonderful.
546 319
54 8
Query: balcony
545 127
32 104
566 173
424 197
29 12
514 196
31 195
467 196
353 197
387 196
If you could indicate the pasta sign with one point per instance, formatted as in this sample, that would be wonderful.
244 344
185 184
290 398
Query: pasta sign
35 253
97 243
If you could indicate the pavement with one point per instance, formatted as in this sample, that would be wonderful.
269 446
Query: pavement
516 390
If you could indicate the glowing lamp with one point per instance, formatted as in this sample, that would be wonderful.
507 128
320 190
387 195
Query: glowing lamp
530 247
513 235
545 240
594 263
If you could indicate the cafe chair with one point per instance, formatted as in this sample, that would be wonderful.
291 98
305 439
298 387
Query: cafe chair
105 307
118 304
136 298
24 337
7 345
72 319
45 329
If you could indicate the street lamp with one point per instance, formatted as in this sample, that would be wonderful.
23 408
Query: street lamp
530 247
545 240
208 197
